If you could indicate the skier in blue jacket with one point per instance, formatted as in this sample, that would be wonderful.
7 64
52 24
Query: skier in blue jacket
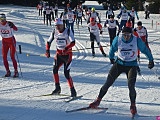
126 46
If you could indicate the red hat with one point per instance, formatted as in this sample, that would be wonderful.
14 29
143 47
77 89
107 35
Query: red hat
92 19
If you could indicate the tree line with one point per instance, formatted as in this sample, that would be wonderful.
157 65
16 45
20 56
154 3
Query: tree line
154 5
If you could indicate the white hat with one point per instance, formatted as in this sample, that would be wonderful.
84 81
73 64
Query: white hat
58 21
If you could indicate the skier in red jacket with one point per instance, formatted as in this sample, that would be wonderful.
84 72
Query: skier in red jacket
8 43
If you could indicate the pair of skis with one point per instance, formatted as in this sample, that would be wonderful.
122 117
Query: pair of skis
69 99
63 96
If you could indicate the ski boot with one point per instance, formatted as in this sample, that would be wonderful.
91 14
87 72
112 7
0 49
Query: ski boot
133 109
96 103
16 74
8 74
57 90
73 92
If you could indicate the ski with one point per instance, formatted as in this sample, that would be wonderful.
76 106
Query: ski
85 108
73 98
50 94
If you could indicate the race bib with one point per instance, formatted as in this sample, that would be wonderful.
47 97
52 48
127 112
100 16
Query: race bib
61 43
5 33
70 21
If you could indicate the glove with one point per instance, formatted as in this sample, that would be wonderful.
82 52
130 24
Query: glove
47 53
65 51
151 64
112 61
10 24
101 32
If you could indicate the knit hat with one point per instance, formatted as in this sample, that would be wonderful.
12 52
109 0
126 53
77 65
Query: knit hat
127 29
58 21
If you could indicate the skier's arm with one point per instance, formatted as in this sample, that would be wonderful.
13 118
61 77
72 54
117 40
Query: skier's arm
113 48
88 18
49 41
106 14
136 15
130 15
113 12
61 15
11 25
119 15
105 24
117 23
146 37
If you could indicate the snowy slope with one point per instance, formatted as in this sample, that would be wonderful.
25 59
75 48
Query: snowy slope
88 73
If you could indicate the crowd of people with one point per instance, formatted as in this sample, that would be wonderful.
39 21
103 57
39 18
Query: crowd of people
125 39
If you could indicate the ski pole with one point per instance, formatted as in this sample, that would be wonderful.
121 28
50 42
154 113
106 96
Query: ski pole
19 64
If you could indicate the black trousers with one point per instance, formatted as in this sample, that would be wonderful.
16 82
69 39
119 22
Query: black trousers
115 71
112 34
48 18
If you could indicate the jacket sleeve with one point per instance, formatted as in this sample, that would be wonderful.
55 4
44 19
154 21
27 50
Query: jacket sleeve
113 48
119 15
100 26
50 40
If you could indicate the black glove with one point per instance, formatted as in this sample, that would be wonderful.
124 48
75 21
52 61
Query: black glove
10 24
112 61
101 32
47 53
151 64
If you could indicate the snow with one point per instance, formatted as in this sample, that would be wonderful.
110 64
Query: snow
88 74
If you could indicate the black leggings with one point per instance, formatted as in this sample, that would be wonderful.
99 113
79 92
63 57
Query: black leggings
63 59
115 71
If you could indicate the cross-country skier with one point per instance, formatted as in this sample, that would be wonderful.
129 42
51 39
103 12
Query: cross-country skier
39 8
94 15
8 43
112 27
141 31
48 16
109 12
64 42
63 16
94 28
44 13
56 10
133 14
79 15
124 15
126 46
70 19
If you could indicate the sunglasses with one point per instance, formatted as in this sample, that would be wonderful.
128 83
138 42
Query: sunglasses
2 18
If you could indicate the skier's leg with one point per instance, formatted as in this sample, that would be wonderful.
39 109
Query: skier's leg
67 67
5 49
114 72
57 64
131 75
